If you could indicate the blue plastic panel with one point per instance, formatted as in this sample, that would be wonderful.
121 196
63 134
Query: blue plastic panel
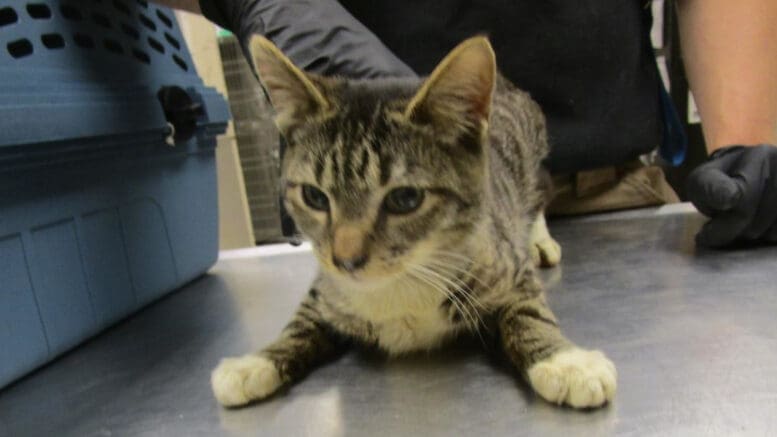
151 258
104 255
22 339
85 244
60 285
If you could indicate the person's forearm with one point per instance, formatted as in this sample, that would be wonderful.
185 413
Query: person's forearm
319 36
186 5
730 52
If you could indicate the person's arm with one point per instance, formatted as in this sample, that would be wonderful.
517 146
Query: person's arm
730 52
184 5
319 36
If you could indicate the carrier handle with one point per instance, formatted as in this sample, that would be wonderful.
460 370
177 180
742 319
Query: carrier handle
181 111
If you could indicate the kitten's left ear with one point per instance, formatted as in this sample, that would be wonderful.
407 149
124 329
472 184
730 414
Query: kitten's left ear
292 93
460 88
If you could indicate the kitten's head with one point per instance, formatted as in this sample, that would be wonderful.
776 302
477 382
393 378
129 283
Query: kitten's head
383 176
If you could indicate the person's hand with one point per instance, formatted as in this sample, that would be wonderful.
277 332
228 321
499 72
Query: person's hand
737 189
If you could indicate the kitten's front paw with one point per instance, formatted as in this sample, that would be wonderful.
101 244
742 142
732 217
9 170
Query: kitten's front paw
576 377
238 381
545 251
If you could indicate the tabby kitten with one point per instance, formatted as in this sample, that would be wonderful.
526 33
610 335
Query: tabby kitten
422 201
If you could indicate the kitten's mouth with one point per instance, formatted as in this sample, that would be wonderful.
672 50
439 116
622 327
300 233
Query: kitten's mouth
364 279
368 275
358 277
352 276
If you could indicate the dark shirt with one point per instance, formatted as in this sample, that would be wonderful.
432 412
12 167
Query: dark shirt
588 63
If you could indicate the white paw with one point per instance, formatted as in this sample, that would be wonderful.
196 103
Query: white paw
240 380
545 251
576 377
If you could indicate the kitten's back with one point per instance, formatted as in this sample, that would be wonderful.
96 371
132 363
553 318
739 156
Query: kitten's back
518 144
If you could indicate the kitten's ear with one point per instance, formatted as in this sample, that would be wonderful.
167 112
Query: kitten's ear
292 93
460 88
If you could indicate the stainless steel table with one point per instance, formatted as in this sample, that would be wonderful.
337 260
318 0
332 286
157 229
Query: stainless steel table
693 333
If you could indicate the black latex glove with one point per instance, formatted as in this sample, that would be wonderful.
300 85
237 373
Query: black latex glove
737 189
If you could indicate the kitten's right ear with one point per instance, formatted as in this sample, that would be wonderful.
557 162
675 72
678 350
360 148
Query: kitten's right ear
292 93
459 91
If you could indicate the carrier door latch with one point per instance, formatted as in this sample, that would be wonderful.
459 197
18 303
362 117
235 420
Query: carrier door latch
181 112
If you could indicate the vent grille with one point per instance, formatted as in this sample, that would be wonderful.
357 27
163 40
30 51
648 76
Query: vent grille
135 30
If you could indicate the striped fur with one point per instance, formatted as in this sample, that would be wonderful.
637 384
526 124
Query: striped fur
459 265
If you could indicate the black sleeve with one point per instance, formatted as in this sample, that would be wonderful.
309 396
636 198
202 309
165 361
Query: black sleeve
319 36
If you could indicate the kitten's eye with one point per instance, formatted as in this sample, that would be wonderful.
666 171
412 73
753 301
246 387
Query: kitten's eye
403 200
315 198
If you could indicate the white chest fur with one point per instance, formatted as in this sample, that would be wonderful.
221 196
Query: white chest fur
406 317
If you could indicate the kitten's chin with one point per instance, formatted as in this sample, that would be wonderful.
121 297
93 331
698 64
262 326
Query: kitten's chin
359 281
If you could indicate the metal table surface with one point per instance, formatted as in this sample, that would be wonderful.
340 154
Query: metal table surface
693 334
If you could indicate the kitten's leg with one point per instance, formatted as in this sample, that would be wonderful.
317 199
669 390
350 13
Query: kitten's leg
304 343
557 370
545 251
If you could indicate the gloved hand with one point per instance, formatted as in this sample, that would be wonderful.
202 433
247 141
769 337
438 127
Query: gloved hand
737 189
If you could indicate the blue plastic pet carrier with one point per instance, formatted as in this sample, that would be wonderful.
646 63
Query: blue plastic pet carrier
107 170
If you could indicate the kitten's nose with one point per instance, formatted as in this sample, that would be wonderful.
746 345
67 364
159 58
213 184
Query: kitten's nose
348 248
350 265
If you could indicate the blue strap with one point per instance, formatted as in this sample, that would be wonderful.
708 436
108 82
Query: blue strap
674 143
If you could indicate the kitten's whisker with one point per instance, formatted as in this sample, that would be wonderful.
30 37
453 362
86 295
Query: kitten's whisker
422 275
442 254
458 269
453 255
466 292
462 286
448 267
456 287
465 312
476 323
472 300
